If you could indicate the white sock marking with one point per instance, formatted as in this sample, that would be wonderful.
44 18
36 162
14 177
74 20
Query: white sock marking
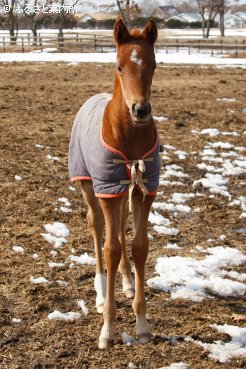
100 284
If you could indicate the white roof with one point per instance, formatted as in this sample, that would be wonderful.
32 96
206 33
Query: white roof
234 17
187 17
241 15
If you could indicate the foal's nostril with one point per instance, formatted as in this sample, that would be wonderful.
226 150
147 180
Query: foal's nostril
141 111
134 109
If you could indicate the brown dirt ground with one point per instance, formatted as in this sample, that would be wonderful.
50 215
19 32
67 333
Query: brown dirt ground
38 104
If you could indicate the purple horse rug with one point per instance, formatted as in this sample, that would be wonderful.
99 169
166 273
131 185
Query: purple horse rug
111 172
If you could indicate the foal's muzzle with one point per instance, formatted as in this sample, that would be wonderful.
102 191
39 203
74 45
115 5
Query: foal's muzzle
141 112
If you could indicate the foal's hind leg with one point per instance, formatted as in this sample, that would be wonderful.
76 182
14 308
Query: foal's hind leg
125 264
95 221
139 254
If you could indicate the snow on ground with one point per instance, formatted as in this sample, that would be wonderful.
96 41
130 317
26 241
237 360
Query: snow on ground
128 340
67 205
57 229
83 259
67 317
18 249
180 365
16 320
174 33
53 158
56 234
225 161
224 352
160 119
83 307
181 57
39 280
18 178
189 278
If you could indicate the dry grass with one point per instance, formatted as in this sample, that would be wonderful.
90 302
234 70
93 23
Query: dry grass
38 105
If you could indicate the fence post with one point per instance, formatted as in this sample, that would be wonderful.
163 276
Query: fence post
95 43
189 47
40 43
221 46
177 45
237 48
81 45
28 38
4 50
22 44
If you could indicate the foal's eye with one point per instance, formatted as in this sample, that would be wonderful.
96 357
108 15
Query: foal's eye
119 69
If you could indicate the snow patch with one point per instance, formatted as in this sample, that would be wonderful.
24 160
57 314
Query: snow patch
67 317
39 280
18 249
225 352
180 365
18 178
193 279
83 307
83 259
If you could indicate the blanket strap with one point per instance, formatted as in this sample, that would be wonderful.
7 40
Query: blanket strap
137 168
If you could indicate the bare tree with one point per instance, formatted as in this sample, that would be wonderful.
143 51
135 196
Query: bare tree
31 9
224 6
63 10
208 9
126 8
149 6
12 19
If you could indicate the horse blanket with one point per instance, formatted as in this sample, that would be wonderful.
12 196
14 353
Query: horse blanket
91 158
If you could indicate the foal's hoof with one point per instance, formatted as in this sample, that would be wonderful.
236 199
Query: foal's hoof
129 293
104 343
144 338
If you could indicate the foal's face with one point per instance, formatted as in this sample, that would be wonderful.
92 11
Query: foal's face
135 68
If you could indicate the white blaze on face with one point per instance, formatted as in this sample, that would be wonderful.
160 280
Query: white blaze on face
135 59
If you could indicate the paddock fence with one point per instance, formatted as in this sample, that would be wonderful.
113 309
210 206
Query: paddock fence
86 42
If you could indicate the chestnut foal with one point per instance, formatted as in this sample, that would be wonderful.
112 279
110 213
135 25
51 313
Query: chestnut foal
128 130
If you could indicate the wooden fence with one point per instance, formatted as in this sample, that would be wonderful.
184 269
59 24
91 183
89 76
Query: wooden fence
100 43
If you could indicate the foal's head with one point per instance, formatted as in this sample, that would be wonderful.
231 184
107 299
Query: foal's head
135 67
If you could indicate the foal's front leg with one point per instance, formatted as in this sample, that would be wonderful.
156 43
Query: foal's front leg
112 254
140 246
125 264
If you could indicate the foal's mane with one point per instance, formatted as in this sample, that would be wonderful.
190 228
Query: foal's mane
136 33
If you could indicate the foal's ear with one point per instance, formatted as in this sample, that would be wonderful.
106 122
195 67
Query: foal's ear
121 33
150 32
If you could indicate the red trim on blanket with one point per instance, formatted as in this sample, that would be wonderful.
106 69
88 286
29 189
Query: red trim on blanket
108 195
80 178
115 195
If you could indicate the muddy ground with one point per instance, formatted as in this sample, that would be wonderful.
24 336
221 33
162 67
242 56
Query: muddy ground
38 103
